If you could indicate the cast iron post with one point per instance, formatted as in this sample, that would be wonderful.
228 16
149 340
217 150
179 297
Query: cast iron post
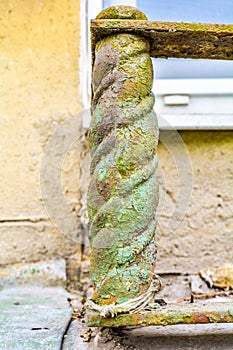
123 192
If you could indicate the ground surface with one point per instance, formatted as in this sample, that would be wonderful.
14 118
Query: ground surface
34 318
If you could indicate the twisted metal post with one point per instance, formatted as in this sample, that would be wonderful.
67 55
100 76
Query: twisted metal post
123 192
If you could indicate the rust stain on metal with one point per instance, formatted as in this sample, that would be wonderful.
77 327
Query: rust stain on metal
172 39
200 318
168 315
123 192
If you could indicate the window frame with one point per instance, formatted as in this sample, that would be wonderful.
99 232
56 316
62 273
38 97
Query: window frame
162 87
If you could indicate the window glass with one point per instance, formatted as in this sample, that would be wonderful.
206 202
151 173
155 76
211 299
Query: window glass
179 68
107 3
206 11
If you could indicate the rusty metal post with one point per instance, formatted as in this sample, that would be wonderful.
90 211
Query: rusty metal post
123 192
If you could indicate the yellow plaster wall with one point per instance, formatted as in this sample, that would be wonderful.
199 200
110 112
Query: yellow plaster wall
39 85
195 226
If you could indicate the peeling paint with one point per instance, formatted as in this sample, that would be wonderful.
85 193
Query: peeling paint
123 192
168 315
173 39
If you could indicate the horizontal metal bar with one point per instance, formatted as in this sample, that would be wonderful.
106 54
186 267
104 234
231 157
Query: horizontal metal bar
198 313
172 39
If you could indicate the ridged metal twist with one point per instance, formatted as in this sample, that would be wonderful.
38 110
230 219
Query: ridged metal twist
123 192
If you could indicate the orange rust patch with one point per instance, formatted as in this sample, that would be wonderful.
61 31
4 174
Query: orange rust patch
200 318
109 301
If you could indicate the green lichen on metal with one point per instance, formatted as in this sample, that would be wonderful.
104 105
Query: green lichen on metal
136 24
123 192
121 12
173 39
172 314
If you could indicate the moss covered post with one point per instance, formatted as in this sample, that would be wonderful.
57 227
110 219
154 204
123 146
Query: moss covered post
123 192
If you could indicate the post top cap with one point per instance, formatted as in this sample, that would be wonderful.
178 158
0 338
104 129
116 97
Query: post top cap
121 12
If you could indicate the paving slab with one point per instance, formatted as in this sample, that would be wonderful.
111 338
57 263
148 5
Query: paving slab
180 337
33 318
49 273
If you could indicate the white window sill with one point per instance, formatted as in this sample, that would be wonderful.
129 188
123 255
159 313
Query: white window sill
195 122
193 86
